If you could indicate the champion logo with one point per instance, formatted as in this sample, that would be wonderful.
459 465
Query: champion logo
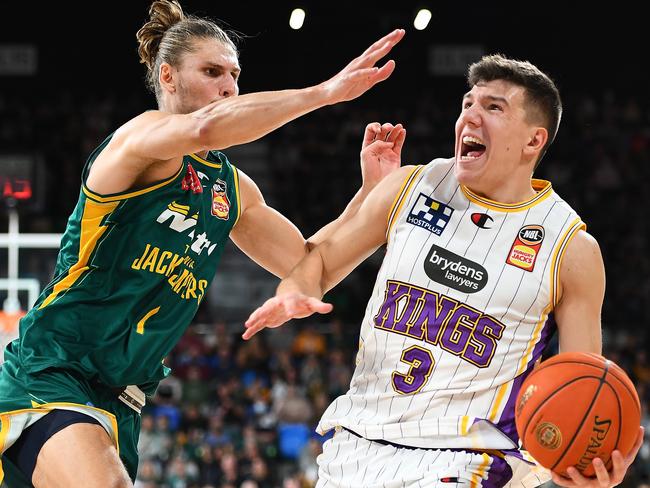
191 181
482 220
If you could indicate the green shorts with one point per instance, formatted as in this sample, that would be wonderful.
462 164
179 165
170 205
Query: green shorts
25 398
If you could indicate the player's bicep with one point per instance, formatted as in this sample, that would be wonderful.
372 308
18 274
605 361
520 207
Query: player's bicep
265 235
159 136
578 313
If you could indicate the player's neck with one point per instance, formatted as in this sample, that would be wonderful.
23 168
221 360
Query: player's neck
505 193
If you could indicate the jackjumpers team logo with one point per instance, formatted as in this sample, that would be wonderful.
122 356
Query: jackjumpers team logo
220 203
525 248
430 214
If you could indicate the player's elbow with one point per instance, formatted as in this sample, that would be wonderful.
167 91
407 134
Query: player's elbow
209 134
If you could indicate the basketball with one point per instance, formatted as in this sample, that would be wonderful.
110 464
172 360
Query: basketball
575 407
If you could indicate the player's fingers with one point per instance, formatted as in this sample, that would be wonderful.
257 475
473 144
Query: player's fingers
392 37
318 306
394 131
385 131
562 481
248 333
372 129
399 141
384 72
637 445
601 472
367 74
575 475
379 51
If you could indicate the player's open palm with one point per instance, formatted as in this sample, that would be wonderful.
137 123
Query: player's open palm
282 308
381 151
361 74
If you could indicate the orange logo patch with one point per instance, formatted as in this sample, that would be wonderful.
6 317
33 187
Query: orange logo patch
220 203
525 248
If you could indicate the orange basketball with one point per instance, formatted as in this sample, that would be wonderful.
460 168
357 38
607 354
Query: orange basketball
575 407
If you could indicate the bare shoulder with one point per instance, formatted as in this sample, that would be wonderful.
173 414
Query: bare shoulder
582 250
582 264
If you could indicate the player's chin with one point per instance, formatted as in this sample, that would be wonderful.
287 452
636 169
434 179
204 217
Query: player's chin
469 171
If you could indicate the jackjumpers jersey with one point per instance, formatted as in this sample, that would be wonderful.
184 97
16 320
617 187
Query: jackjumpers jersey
132 270
460 312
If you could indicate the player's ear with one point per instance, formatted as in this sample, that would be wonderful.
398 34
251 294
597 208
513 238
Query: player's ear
166 76
536 141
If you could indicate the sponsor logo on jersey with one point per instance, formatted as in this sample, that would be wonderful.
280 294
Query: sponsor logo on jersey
430 214
455 271
177 217
525 248
220 203
482 220
191 181
548 435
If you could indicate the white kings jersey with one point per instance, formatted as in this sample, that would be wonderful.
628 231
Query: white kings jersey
460 312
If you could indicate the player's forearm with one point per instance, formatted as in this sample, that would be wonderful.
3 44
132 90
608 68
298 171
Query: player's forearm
245 118
350 210
306 277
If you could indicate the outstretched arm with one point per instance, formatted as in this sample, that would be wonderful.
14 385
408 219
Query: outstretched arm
332 260
161 138
582 278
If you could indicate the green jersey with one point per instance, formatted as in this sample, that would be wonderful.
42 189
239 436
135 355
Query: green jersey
132 270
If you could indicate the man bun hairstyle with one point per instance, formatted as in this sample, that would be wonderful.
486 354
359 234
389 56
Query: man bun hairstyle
169 34
543 106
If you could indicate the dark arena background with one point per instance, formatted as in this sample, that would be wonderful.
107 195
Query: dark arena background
242 414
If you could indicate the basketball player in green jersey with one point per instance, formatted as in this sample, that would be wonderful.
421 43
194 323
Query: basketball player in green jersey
156 206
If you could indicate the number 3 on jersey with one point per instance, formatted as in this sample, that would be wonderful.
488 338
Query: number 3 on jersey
421 363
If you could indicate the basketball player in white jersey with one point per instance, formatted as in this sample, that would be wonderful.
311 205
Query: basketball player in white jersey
482 263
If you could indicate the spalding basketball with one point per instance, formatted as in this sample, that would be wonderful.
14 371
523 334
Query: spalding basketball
575 407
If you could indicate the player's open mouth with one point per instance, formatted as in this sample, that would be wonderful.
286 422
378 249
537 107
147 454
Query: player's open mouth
471 148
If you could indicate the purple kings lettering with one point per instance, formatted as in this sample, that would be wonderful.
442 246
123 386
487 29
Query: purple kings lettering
439 320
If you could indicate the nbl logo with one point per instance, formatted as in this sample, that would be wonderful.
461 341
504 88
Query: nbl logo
430 214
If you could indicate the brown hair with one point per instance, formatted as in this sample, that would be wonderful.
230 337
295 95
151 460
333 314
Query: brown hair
168 35
543 97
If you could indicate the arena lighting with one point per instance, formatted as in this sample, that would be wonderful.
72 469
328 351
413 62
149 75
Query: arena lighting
297 18
422 19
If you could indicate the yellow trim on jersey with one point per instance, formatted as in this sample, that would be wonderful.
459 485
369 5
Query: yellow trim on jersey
91 232
123 196
501 392
140 327
203 161
184 209
464 425
477 477
5 423
400 197
542 187
235 174
558 254
53 406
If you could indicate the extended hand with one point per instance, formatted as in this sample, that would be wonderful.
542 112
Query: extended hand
381 152
361 74
603 479
282 308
